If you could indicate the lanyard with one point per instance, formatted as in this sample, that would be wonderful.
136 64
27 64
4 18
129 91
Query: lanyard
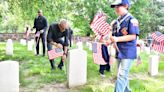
120 22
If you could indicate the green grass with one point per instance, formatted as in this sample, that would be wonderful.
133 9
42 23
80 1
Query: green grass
35 73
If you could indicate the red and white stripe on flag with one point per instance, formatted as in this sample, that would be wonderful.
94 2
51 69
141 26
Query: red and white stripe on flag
158 43
54 53
99 25
97 53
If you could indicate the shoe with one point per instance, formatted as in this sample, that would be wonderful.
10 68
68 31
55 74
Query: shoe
102 75
60 67
108 70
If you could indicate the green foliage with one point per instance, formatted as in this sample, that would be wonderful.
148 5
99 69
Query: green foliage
15 14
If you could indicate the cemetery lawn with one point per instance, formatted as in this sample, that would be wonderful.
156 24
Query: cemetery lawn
36 76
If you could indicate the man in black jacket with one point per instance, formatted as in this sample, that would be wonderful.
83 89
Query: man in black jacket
54 37
40 24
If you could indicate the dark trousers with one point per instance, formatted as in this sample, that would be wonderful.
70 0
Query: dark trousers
37 39
49 47
106 57
103 68
70 41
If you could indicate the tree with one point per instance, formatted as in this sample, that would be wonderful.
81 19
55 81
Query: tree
15 14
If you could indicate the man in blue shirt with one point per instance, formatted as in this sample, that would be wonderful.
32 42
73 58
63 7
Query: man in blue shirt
125 31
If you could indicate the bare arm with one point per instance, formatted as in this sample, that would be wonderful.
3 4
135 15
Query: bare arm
126 38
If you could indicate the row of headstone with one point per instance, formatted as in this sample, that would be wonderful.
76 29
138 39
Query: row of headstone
153 59
9 45
9 76
77 68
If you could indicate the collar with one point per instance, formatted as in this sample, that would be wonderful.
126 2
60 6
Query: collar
121 17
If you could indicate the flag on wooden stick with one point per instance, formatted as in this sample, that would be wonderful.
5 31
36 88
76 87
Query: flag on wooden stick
54 53
99 25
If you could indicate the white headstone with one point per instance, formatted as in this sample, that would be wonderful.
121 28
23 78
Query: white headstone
87 44
32 41
153 65
147 49
90 46
30 45
9 47
23 42
9 76
138 51
77 68
79 45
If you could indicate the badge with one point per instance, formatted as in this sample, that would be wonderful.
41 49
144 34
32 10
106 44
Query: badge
124 31
134 22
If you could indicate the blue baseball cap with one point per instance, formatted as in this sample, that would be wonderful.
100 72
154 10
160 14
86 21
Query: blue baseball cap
120 2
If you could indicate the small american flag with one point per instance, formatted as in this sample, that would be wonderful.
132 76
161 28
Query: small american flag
37 34
27 33
158 43
54 53
99 25
97 54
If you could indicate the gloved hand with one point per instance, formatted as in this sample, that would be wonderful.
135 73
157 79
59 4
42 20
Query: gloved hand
41 31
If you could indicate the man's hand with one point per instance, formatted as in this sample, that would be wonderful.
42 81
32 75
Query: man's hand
59 46
63 57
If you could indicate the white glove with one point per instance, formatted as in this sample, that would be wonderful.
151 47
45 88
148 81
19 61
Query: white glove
41 31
